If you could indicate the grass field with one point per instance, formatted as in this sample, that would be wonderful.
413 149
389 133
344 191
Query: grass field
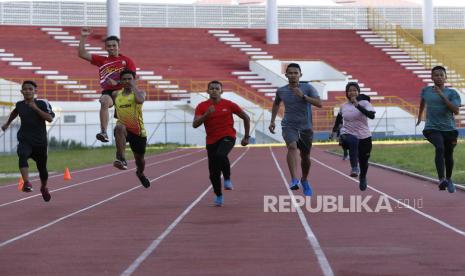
74 159
418 158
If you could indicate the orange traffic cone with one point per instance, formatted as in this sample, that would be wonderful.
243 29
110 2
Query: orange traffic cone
67 175
20 184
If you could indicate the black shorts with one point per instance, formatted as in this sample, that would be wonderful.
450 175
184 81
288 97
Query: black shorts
26 151
137 143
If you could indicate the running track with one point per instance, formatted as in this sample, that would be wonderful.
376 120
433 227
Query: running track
103 222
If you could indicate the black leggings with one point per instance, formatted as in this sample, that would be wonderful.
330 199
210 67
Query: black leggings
38 154
359 151
218 162
444 142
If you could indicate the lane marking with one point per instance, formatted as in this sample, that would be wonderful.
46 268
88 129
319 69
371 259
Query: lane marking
95 179
92 206
91 168
430 217
155 243
321 257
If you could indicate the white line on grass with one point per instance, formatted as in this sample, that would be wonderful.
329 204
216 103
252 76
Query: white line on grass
92 206
322 260
92 168
440 222
155 243
95 179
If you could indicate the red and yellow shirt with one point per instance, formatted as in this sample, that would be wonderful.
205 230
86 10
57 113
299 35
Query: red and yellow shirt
111 67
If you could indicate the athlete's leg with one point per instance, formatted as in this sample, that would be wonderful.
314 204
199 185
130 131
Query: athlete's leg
214 168
105 103
120 139
24 151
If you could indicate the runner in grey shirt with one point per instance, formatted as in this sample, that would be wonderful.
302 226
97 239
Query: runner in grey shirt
298 99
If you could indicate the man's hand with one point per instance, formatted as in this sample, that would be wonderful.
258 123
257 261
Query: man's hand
245 141
210 110
4 127
271 127
297 91
85 31
438 90
111 81
33 105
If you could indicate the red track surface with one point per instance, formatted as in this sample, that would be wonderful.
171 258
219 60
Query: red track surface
101 226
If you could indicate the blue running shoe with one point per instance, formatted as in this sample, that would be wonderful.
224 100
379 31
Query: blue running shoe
219 201
307 188
294 184
443 185
363 184
228 184
450 186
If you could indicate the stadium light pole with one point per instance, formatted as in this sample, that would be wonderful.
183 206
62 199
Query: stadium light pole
428 22
272 36
113 22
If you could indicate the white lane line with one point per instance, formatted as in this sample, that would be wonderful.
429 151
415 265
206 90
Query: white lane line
98 178
440 222
93 168
322 260
92 206
155 243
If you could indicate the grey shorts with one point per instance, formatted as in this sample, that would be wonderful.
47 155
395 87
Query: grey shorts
303 137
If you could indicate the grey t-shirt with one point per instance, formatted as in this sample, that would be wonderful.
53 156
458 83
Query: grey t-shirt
438 115
297 111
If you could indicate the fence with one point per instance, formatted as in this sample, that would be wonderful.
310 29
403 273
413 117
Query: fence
55 13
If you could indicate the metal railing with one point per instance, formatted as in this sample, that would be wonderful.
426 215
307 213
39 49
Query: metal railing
427 55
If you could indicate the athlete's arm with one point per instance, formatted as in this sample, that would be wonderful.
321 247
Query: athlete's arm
368 113
314 101
200 119
82 52
246 119
13 116
274 111
452 107
44 115
420 111
139 95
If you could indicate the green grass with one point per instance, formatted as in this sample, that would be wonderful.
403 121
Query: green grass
418 158
74 159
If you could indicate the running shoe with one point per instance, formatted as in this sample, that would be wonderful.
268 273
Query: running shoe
143 179
307 189
443 185
219 201
27 187
450 186
355 172
120 163
294 184
45 194
363 184
102 137
228 184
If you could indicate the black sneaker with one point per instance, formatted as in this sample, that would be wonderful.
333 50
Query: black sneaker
143 180
443 185
120 163
102 137
27 187
45 194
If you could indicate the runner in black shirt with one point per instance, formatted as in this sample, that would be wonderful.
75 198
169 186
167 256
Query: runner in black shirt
32 135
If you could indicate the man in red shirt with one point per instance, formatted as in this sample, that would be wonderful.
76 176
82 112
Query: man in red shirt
216 115
109 71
